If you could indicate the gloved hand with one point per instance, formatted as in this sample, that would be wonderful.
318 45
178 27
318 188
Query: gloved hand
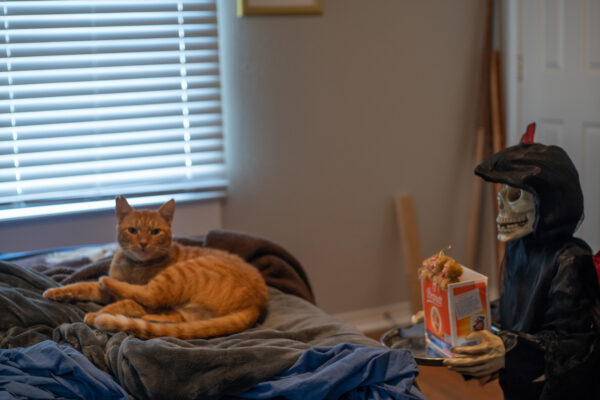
481 359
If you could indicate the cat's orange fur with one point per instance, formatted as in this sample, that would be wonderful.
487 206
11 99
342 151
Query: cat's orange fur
162 288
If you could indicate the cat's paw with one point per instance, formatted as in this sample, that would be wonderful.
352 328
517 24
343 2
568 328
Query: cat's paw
90 317
106 282
59 294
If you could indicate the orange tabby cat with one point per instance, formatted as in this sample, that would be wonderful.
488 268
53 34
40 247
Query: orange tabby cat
166 289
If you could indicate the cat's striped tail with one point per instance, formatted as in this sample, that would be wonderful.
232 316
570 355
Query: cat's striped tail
218 326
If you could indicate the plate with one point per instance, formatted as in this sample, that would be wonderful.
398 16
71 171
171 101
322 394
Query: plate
412 338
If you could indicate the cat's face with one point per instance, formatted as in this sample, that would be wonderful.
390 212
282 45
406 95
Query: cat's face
144 235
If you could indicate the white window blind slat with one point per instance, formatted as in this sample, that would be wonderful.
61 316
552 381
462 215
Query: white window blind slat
104 33
104 18
108 152
109 99
126 125
106 86
106 140
95 205
212 185
109 72
112 46
45 6
83 181
59 115
103 98
39 172
108 59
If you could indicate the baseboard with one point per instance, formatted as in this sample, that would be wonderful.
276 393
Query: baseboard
378 318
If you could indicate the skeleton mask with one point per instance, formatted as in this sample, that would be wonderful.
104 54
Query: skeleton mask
516 213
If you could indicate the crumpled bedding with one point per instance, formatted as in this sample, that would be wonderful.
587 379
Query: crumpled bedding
344 371
167 368
48 371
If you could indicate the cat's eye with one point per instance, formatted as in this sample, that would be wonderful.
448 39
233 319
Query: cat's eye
133 231
155 231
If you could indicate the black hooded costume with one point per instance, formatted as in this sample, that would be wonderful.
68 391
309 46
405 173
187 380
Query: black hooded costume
549 306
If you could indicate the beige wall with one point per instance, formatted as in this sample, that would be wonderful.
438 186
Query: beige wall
328 117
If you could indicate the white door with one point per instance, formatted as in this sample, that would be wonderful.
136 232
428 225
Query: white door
553 78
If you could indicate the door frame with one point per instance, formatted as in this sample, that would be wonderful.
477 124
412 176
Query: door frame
512 68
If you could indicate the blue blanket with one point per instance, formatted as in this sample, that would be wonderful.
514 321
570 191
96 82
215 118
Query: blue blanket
48 371
344 371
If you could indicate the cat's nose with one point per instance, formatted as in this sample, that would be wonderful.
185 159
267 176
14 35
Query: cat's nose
143 244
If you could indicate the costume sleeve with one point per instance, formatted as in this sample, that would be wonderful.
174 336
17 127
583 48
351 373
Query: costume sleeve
556 361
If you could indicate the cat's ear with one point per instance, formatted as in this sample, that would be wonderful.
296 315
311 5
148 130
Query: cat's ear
123 208
167 210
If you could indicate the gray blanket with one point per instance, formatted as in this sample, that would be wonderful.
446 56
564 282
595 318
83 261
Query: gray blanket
168 368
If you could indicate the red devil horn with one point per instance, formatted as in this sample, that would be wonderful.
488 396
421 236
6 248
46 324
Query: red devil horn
596 259
529 133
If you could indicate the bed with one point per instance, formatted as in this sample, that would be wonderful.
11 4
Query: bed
296 351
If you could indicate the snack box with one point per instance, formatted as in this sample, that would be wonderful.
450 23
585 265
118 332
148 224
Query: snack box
451 314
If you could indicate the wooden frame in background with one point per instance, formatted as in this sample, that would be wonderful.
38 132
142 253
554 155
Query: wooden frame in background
278 7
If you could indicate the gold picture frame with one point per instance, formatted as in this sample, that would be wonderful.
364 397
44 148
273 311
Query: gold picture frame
278 7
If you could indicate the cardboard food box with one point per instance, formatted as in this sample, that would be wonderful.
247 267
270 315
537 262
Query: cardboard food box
451 314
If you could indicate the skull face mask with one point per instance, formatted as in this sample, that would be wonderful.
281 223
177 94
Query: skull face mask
516 213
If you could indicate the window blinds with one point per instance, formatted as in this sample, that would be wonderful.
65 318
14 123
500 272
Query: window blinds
103 98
